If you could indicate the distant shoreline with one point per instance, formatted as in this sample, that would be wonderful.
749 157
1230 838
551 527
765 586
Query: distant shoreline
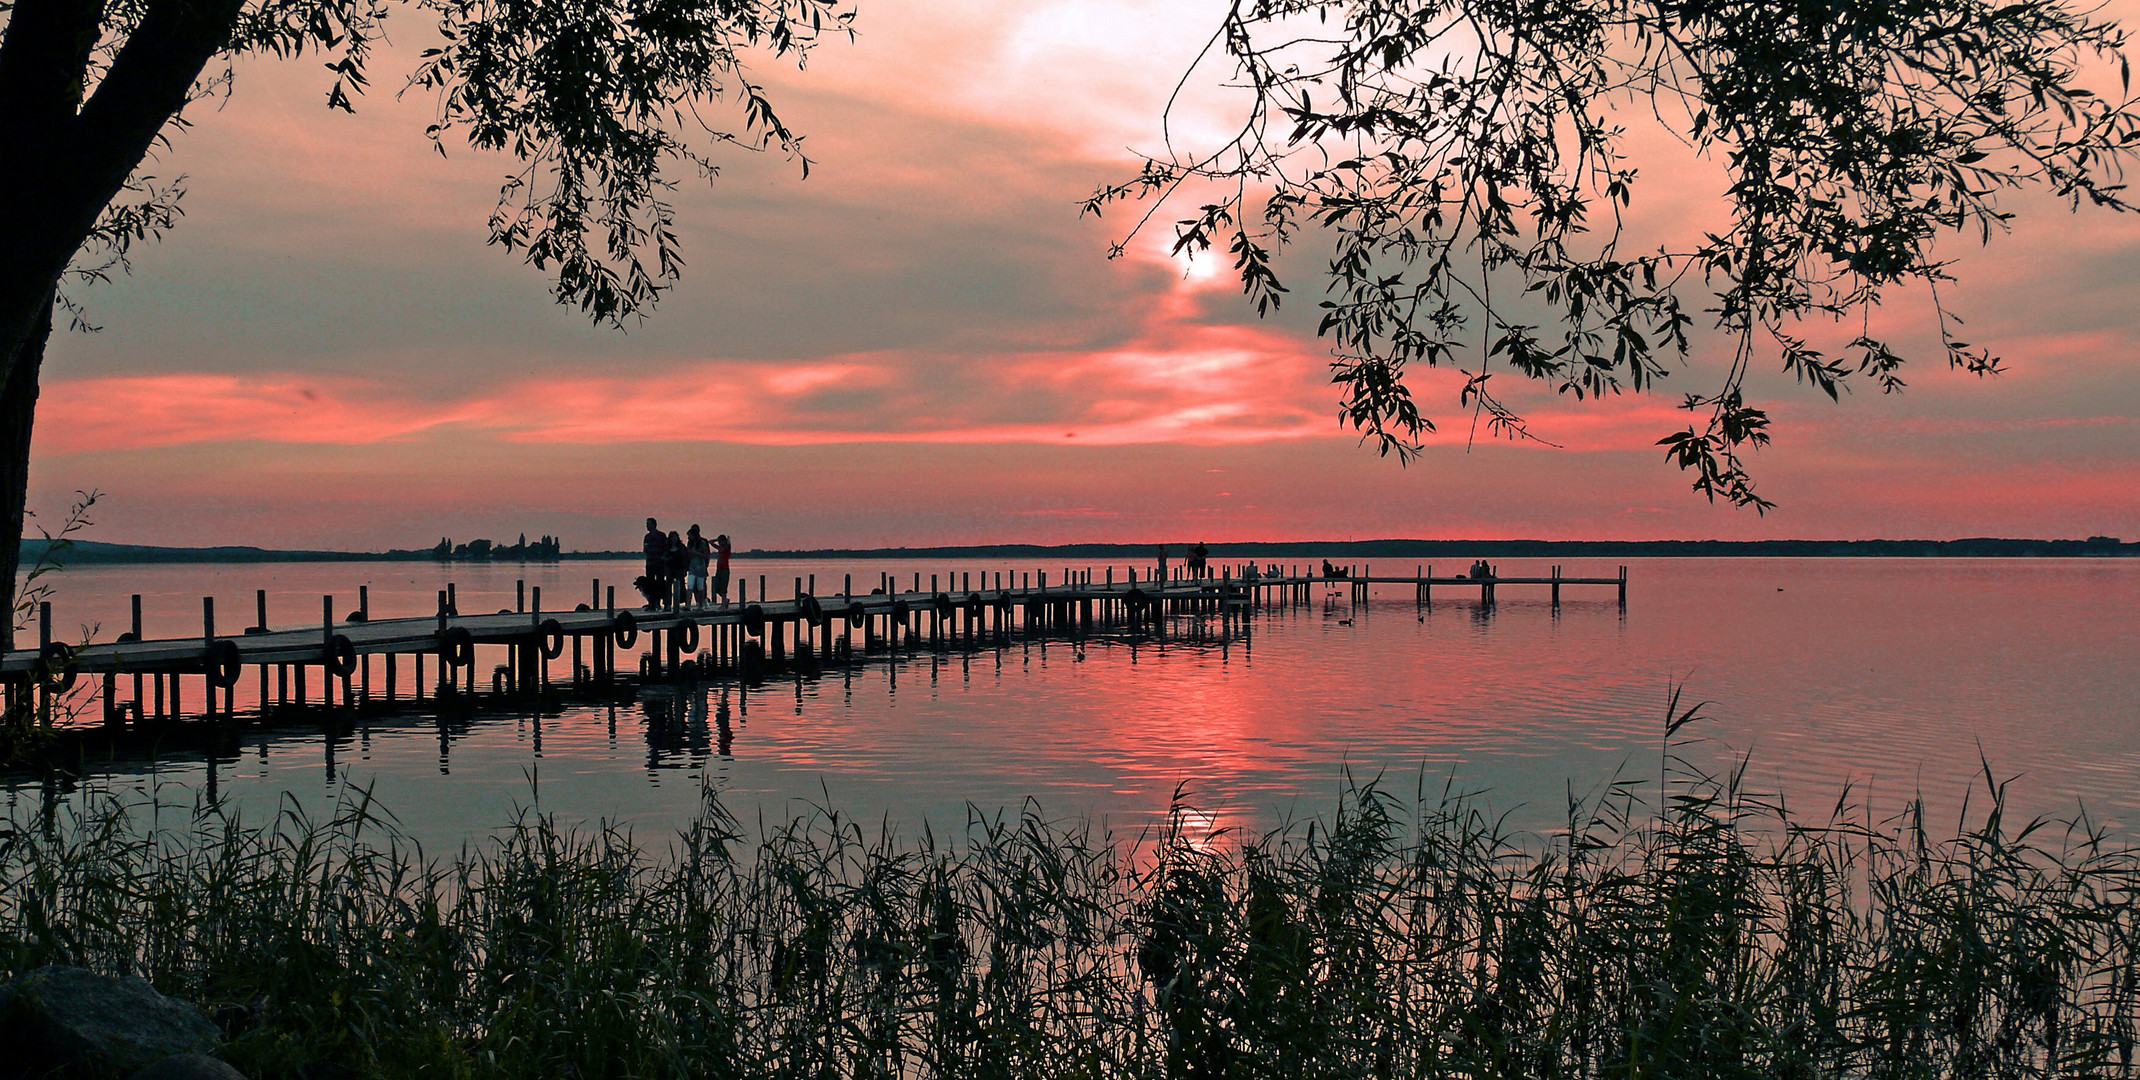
87 553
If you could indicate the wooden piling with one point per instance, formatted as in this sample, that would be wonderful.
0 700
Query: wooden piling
208 649
137 675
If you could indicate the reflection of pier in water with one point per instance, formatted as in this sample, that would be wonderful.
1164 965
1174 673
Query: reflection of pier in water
684 725
740 646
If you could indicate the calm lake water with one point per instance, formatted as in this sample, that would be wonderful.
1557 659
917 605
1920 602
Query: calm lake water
1893 676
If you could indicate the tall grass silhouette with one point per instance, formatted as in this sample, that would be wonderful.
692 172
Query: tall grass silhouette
1678 927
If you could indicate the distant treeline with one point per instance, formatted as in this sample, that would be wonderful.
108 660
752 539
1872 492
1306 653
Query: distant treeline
548 549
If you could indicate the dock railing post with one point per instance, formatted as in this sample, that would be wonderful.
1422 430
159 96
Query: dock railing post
1556 586
44 641
327 649
139 714
364 608
1623 588
208 649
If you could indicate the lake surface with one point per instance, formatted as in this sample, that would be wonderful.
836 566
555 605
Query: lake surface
1893 676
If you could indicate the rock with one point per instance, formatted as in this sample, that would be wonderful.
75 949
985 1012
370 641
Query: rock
190 1067
72 1022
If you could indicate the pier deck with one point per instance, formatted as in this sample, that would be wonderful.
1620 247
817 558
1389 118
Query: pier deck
738 637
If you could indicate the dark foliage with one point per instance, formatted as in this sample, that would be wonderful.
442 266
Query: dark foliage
1470 162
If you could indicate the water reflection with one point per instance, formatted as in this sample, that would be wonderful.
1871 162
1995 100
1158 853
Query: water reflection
678 735
1520 698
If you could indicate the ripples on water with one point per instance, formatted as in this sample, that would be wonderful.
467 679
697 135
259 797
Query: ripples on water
1886 674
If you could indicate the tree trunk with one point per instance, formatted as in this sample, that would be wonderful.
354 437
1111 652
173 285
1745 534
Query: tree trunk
18 411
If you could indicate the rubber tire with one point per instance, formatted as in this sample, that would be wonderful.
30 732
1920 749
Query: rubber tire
341 657
754 620
457 646
624 627
686 636
812 611
857 614
942 603
225 666
55 667
551 630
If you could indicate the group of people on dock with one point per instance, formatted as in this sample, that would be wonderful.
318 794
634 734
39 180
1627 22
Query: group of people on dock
686 569
1197 565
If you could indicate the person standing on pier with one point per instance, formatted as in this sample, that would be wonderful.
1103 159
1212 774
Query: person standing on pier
1199 559
679 567
701 554
655 546
719 586
1162 563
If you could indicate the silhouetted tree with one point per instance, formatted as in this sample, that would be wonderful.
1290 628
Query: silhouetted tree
600 100
1469 164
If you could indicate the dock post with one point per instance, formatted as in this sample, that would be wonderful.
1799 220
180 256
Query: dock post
44 641
364 608
390 678
1623 588
260 620
538 677
609 639
138 714
1556 586
327 650
207 647
520 594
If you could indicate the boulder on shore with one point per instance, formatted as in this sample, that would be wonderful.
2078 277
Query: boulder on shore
72 1022
189 1067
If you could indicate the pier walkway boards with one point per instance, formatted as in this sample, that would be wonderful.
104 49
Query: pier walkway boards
742 638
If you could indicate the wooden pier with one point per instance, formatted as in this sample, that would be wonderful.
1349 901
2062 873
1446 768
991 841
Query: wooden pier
332 661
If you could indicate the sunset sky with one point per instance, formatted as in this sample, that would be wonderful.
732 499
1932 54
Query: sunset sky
923 343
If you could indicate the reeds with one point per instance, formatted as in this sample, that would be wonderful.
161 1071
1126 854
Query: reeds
1718 936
